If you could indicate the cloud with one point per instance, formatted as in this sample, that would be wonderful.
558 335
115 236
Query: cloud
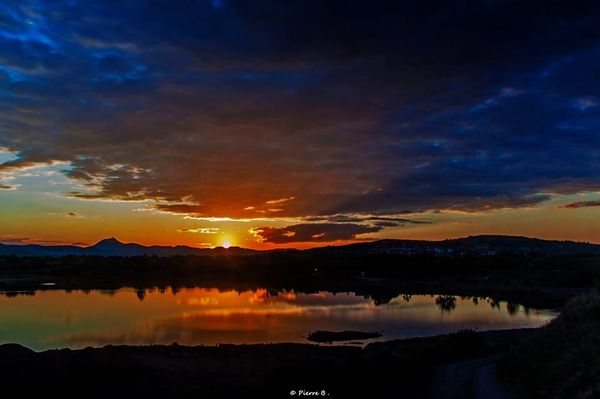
201 230
31 240
383 221
312 232
15 240
267 206
279 201
189 209
581 204
377 109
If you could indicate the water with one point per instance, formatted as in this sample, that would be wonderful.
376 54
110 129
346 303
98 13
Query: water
56 319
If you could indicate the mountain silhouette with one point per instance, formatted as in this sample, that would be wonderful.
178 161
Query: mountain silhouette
113 247
108 242
481 245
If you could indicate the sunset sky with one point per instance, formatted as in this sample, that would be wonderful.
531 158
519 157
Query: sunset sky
300 123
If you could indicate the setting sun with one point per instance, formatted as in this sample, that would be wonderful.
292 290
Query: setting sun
226 243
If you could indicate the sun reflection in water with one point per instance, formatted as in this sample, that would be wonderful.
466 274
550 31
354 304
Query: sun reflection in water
53 318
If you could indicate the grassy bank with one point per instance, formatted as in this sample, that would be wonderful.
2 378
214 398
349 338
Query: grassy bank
562 359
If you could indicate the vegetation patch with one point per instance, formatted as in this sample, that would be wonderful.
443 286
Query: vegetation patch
562 359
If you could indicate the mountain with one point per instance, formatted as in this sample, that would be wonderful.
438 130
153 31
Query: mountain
114 247
481 245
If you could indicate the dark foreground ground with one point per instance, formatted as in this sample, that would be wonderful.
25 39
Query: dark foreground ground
559 360
402 368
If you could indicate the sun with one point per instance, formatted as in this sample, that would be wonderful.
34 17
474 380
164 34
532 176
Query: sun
226 243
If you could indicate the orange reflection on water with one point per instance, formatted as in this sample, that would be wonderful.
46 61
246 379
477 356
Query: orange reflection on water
51 319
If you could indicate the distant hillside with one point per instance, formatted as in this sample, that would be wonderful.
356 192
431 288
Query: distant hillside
480 245
114 247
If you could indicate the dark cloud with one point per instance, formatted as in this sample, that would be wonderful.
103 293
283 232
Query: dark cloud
581 204
30 240
382 221
380 108
313 232
15 240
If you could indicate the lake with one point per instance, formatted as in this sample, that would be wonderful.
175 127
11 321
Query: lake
203 316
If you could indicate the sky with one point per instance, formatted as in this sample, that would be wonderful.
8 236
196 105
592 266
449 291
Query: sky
269 124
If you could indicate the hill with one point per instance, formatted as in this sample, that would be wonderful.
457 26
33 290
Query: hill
114 247
479 245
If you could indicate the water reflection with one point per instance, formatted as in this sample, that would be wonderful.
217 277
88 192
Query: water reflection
54 318
446 302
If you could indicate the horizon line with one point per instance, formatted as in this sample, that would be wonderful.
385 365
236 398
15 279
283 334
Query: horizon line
51 244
